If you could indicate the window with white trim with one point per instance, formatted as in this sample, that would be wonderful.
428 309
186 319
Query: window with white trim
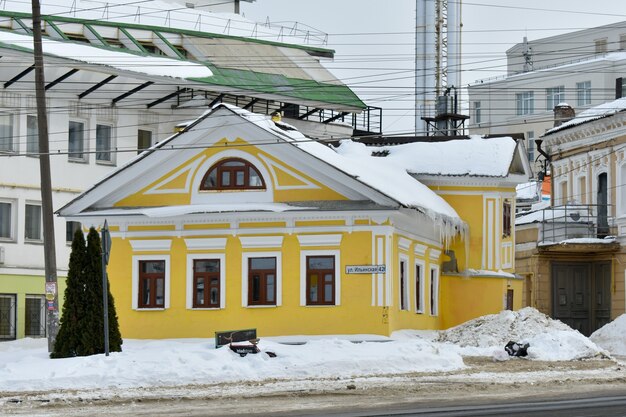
583 93
7 220
477 113
525 103
206 281
320 278
434 291
403 287
554 96
6 132
151 282
76 140
261 279
530 135
32 135
104 144
32 223
144 140
419 287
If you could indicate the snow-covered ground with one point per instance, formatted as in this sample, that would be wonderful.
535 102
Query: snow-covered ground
25 365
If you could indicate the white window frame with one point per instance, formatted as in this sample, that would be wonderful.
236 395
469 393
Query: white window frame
40 238
32 152
477 113
583 93
42 313
245 257
85 148
422 266
530 148
434 290
621 192
407 279
524 103
13 220
196 256
135 281
561 199
303 255
554 96
111 160
152 136
13 146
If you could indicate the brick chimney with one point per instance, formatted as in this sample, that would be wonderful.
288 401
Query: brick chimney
562 113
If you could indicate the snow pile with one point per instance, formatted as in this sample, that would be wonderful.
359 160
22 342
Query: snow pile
550 340
25 366
612 336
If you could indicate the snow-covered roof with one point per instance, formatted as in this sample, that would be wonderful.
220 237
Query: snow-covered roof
475 156
151 65
528 190
593 113
378 174
381 174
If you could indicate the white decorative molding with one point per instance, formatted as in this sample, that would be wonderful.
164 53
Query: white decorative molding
150 245
434 254
320 240
404 244
420 250
206 244
252 242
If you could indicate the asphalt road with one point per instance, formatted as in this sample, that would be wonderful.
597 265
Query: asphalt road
600 405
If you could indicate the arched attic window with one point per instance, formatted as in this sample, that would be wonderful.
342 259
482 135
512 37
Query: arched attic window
232 174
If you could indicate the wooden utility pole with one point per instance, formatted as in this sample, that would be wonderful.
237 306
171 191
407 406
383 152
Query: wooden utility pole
52 299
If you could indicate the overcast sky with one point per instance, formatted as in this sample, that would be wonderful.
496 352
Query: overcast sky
375 44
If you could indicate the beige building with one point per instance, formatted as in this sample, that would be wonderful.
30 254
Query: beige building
571 254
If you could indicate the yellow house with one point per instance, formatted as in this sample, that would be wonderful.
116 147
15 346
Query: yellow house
240 222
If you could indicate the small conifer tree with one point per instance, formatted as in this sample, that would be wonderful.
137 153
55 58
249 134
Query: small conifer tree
87 336
68 341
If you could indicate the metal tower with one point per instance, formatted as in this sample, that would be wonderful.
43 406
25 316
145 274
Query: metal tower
437 66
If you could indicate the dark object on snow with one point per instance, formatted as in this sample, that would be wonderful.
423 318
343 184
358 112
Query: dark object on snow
270 354
243 350
517 349
234 336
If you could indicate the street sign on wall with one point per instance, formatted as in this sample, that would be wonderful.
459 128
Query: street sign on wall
366 269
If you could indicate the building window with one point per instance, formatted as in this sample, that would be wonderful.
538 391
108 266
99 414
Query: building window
232 174
206 283
35 316
525 103
103 143
477 113
6 132
601 45
404 281
76 140
434 291
32 227
70 230
7 316
32 135
554 96
582 190
151 284
562 197
262 281
144 140
6 220
506 218
531 146
622 42
583 93
320 280
419 288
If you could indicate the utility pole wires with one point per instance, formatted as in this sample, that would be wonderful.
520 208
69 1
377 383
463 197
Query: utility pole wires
52 299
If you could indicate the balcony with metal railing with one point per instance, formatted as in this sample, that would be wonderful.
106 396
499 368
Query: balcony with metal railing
576 223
